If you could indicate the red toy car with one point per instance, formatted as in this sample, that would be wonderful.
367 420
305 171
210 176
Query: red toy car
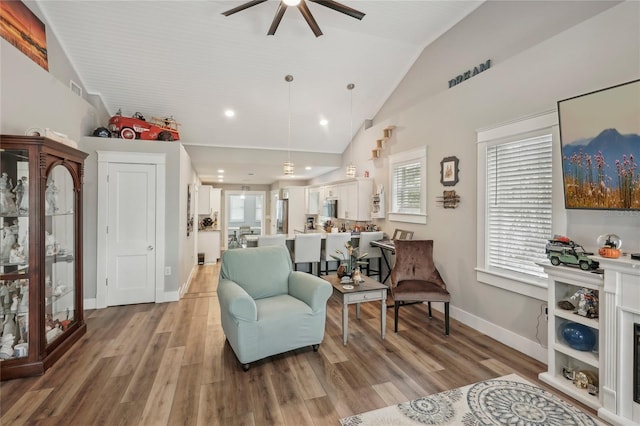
137 127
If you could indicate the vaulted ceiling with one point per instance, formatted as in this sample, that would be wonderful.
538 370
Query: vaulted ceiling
187 60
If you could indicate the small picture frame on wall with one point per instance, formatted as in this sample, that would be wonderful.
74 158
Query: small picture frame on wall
449 171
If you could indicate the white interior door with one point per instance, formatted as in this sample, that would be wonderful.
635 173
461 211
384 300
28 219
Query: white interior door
131 234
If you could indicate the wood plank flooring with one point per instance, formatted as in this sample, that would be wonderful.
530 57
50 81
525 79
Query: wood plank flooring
169 364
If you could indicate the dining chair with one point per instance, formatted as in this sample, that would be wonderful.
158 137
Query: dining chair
335 241
272 240
401 234
371 251
415 278
306 249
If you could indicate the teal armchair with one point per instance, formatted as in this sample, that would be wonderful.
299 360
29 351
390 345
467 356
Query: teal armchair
266 308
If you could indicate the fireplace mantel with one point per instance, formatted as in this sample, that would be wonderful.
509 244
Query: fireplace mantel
622 310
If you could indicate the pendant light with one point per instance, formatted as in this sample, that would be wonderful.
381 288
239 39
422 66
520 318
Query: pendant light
288 167
351 168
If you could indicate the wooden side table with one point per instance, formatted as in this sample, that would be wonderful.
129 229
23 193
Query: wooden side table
368 291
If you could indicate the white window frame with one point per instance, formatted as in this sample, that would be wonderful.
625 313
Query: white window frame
537 125
398 160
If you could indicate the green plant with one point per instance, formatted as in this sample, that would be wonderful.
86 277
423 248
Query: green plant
351 259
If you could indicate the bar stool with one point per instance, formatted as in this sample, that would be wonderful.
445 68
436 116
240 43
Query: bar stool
272 240
306 249
333 242
372 252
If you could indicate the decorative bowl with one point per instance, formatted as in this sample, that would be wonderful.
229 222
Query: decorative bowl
579 336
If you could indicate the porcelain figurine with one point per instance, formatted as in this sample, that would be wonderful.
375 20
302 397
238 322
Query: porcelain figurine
51 197
7 203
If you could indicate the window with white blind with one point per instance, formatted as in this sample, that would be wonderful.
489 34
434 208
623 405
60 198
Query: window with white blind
236 210
518 185
259 208
519 204
408 183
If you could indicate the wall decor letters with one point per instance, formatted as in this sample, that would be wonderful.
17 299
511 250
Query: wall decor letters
470 73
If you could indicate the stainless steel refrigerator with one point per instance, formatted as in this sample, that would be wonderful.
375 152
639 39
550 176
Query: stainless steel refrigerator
282 217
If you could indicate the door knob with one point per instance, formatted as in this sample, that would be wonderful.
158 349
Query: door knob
150 248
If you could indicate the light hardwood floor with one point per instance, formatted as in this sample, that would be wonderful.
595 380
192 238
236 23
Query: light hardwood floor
169 364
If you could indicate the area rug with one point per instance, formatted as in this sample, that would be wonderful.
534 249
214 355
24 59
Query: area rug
507 400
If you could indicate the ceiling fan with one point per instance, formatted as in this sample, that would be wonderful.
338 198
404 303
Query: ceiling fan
304 10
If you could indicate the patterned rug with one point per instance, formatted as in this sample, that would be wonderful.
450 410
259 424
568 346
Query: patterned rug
507 400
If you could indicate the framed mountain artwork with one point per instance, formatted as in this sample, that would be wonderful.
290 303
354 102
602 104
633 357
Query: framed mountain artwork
600 137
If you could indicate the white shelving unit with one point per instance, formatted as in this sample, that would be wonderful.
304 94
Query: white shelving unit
564 281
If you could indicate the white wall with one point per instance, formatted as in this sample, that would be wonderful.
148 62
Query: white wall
540 54
175 207
32 97
187 244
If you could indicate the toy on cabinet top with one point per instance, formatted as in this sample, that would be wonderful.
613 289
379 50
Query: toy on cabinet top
137 127
563 250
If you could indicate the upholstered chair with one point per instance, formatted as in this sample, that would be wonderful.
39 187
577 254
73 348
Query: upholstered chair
333 242
372 252
272 240
266 308
414 278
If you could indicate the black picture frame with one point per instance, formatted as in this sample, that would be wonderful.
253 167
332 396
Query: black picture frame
449 169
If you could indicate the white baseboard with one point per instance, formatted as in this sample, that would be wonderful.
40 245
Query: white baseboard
185 287
170 296
509 338
167 296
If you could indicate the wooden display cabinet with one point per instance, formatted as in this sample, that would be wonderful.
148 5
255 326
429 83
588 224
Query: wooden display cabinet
41 297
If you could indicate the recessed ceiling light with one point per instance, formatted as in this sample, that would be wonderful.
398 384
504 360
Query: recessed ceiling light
220 177
220 170
308 168
229 113
324 122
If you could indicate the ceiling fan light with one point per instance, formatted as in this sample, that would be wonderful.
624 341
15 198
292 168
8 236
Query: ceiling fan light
291 2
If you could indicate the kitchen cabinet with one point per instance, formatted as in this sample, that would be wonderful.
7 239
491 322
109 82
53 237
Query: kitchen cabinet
354 199
330 191
564 361
41 293
313 200
209 244
208 200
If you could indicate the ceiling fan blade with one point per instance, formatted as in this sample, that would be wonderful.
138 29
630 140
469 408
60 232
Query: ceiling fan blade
339 7
276 19
242 7
306 13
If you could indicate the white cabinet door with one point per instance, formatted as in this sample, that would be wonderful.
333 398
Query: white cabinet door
216 195
204 200
313 200
355 200
348 201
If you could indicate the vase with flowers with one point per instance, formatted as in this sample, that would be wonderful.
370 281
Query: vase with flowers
350 261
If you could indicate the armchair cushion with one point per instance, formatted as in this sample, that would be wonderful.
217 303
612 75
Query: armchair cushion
414 261
262 273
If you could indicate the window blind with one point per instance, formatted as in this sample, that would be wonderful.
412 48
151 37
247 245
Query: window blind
406 187
236 208
519 204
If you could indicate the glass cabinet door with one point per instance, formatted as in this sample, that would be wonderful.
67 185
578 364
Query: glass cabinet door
14 253
60 241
